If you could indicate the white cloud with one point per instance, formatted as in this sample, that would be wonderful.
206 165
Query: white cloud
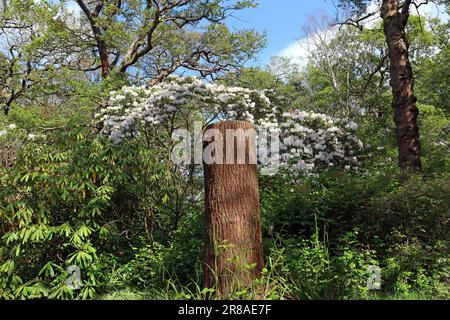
301 49
299 52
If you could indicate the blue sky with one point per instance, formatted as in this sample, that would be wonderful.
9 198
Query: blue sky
282 19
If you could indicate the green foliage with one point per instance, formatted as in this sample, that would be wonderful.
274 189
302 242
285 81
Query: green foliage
315 273
417 268
402 225
417 210
59 207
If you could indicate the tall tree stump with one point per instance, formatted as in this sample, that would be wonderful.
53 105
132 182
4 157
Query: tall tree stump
233 237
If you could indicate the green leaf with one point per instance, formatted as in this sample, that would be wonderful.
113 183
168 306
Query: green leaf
7 267
48 269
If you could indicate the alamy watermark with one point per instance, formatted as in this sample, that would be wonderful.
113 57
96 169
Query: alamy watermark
73 281
374 278
258 145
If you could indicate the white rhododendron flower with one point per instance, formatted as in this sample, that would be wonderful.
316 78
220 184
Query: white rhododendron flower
309 140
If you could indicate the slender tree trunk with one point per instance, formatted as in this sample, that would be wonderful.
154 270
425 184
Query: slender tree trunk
233 237
104 59
102 52
402 82
101 44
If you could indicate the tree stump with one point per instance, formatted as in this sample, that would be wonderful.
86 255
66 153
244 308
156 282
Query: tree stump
233 237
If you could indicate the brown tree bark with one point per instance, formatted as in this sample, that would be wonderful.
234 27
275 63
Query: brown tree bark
395 19
101 44
233 237
104 58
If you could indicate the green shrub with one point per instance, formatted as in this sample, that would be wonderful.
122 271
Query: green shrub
416 268
417 211
147 269
61 204
335 198
314 272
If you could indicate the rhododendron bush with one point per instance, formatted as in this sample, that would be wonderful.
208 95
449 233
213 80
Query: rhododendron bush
308 141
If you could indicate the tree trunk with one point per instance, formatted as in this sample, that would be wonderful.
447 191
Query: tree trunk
233 238
402 82
102 48
103 53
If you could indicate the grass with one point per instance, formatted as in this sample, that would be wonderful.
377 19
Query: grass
127 294
133 294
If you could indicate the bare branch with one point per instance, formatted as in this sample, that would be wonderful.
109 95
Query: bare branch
372 74
357 22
